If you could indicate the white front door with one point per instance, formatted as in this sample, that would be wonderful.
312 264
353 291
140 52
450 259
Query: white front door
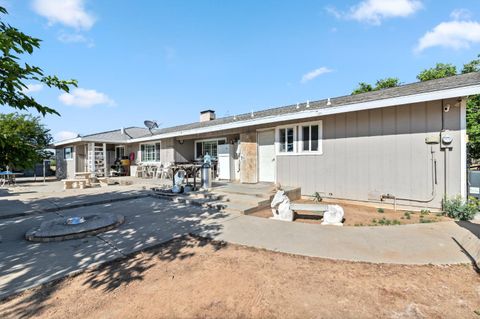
266 156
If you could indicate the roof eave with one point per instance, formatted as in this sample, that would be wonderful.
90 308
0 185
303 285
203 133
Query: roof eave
401 100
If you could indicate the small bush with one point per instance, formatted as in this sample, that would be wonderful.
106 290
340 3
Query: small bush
424 212
380 210
407 215
459 208
425 221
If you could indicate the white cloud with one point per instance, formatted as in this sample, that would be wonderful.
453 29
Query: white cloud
452 34
315 73
70 13
374 11
33 87
65 135
85 98
461 14
75 38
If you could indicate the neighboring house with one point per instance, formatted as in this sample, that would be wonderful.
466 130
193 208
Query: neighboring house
408 142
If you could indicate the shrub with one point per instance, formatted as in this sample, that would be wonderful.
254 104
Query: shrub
424 212
380 210
459 208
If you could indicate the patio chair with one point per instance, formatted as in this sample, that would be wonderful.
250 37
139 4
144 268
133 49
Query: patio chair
165 171
141 170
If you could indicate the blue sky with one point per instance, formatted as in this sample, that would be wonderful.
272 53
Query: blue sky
168 60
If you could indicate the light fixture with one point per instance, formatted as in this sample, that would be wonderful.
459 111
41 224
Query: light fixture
181 141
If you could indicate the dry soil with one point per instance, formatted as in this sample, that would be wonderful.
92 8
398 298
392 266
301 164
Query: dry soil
196 278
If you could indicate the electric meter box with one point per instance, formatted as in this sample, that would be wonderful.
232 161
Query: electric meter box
446 139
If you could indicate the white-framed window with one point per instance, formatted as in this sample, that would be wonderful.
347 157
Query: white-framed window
209 146
68 153
119 151
286 139
150 152
310 137
302 138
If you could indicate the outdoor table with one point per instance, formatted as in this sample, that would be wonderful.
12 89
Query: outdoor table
186 166
8 177
85 175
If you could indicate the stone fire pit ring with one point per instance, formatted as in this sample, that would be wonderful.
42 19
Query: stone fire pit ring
74 227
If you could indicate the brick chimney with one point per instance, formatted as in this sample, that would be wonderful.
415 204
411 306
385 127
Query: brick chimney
207 115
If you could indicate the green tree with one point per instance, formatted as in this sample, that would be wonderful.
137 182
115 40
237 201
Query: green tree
379 85
472 66
362 88
473 114
386 83
15 75
441 70
23 141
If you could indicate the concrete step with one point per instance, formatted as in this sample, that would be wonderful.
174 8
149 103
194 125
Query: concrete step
238 198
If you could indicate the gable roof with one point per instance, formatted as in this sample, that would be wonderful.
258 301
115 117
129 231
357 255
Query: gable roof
454 86
113 136
452 82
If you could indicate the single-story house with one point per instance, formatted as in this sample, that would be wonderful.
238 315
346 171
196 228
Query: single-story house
407 142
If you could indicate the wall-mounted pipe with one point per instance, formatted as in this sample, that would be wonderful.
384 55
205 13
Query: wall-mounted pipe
434 182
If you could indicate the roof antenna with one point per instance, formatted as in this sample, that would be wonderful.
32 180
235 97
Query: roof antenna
150 125
251 114
329 102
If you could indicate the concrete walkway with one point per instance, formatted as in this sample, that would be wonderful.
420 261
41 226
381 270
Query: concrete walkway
434 243
150 221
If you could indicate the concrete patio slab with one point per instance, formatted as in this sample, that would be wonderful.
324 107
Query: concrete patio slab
26 264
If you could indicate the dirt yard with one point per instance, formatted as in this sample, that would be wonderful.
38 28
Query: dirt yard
192 278
361 215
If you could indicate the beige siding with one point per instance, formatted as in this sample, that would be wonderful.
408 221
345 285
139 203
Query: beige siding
379 151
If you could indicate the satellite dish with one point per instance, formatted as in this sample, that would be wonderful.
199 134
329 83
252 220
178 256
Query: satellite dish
150 125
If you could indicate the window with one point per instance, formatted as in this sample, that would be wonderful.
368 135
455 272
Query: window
286 138
150 152
68 153
119 152
304 138
310 138
208 146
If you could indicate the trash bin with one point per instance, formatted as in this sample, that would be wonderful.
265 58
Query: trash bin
206 180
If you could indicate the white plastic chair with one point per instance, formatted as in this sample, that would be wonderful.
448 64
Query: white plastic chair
165 171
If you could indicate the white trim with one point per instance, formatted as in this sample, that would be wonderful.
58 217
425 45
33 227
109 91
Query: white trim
154 143
300 150
275 151
206 140
117 147
72 153
277 139
308 113
463 148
